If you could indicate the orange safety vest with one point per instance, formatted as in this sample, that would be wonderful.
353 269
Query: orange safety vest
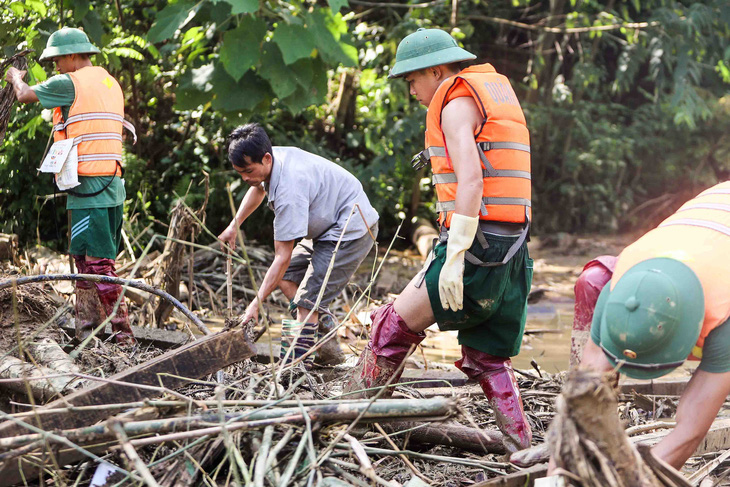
698 235
503 142
95 121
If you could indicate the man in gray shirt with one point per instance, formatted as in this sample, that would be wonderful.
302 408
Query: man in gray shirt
312 199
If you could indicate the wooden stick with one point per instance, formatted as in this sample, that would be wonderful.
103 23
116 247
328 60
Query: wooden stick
229 285
132 455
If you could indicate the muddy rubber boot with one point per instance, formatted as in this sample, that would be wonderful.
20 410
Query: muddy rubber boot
330 353
390 344
89 312
108 295
497 379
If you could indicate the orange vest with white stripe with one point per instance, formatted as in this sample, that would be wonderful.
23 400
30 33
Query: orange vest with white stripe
698 235
95 121
503 142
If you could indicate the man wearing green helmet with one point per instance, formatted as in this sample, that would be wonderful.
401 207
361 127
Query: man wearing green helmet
479 274
88 106
666 301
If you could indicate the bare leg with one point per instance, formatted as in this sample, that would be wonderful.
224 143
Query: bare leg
302 314
414 307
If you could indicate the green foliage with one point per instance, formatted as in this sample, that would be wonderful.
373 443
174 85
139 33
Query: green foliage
629 110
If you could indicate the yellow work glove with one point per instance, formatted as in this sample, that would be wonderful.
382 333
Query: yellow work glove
451 280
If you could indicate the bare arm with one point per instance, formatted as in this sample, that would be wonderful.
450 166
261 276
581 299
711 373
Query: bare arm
253 198
459 121
22 91
282 257
698 407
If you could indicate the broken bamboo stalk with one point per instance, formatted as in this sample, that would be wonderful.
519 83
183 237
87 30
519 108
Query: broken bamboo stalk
383 410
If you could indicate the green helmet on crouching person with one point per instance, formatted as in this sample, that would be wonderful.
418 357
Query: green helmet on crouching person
650 321
426 48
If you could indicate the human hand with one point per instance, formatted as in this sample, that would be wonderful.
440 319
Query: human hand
451 279
13 73
451 283
252 312
228 237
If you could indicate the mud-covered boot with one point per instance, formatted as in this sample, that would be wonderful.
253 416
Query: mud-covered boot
109 294
88 309
391 341
497 379
330 352
89 312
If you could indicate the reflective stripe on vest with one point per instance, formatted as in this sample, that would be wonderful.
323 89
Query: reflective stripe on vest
95 121
451 205
506 173
488 170
99 116
694 222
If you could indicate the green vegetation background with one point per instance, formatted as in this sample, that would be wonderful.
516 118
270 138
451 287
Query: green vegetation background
627 102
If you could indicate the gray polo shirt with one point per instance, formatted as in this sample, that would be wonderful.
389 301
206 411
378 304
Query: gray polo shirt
312 197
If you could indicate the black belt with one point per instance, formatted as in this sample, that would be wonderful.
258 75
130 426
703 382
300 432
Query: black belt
501 228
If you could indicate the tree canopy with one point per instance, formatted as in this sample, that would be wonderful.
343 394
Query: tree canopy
627 102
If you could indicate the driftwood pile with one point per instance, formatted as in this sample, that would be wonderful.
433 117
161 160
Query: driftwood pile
216 411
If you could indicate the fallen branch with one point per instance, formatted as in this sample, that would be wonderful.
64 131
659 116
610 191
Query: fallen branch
19 281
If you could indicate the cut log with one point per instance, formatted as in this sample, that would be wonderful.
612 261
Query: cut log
51 360
456 435
192 361
42 389
422 235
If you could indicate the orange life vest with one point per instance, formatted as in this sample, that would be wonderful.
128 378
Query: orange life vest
95 121
698 235
503 142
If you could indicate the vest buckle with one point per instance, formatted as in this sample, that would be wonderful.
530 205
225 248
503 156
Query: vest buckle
419 161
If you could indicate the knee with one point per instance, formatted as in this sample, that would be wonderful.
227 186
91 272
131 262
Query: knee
592 280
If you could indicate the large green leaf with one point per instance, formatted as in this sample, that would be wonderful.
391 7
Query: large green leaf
303 72
336 5
172 18
327 31
294 41
278 74
236 97
312 92
93 27
81 8
190 94
242 47
243 6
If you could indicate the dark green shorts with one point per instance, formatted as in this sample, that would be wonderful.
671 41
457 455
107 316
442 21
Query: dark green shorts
495 298
96 232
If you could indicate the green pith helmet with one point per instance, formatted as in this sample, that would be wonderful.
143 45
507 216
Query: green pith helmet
67 41
652 318
426 48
